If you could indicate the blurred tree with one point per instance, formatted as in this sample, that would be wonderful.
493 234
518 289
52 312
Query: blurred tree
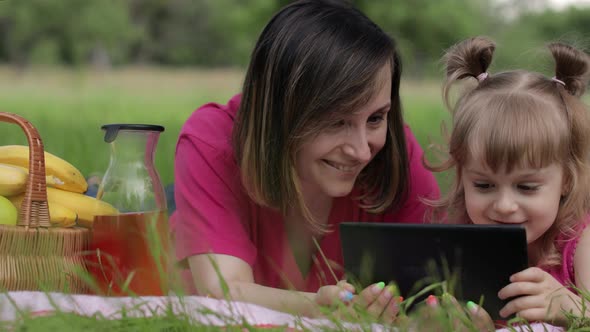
223 32
281 3
424 28
523 40
100 32
76 30
205 32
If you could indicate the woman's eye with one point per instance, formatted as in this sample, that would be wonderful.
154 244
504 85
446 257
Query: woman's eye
375 119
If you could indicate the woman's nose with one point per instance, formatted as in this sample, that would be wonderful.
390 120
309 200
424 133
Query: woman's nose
357 146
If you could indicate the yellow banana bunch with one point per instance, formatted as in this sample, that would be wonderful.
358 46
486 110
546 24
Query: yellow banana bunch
68 177
13 180
85 207
59 215
50 180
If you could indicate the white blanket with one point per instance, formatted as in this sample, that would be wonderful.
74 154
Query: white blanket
203 310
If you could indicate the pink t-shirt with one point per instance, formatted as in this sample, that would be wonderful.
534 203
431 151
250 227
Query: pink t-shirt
215 215
567 247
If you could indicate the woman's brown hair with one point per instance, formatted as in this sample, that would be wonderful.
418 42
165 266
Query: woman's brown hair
520 119
314 60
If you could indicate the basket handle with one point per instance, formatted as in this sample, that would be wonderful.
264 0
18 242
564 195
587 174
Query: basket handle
34 210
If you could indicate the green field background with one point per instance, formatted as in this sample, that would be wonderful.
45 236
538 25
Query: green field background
68 107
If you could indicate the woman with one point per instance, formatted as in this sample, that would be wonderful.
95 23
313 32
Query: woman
316 138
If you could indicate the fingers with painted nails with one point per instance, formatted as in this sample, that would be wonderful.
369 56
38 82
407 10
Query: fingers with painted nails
445 312
334 295
379 301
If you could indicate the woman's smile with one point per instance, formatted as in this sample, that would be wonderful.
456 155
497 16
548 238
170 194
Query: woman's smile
345 168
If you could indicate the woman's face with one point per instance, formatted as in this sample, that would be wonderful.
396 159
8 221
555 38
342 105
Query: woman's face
329 163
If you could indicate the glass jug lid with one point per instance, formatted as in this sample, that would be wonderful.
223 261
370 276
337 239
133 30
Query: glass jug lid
112 130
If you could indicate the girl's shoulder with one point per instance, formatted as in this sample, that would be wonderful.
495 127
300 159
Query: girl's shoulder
567 240
573 236
582 233
568 245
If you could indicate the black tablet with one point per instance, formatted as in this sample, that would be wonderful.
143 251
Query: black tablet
472 260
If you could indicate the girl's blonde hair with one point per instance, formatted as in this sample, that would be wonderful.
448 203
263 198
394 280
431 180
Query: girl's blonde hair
519 119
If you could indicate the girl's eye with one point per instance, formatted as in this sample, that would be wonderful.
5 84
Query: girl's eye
528 187
482 185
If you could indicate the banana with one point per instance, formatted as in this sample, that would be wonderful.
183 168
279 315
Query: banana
13 180
85 207
50 180
59 215
71 177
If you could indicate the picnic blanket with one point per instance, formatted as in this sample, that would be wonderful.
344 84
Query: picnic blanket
207 311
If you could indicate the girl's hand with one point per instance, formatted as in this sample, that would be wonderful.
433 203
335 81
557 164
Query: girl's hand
379 301
541 297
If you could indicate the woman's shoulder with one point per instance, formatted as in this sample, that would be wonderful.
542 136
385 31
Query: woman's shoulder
412 144
212 123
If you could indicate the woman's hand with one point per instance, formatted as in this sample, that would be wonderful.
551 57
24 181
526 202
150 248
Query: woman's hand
540 297
479 317
335 300
333 295
376 301
446 314
379 301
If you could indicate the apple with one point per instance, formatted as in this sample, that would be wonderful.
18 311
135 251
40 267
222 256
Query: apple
8 212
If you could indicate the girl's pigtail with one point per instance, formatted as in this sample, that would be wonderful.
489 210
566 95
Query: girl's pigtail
572 72
572 67
469 58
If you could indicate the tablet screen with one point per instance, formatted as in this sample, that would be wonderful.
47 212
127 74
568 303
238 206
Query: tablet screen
470 261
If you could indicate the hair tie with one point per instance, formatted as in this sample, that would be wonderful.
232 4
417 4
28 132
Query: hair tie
557 80
482 76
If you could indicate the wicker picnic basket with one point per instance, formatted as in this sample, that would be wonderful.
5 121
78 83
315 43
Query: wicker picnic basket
33 254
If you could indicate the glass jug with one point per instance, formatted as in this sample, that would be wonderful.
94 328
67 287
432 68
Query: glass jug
131 250
131 182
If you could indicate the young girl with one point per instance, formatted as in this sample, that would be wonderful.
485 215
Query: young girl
315 138
520 145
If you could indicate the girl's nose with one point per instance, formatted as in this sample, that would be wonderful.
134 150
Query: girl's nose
505 204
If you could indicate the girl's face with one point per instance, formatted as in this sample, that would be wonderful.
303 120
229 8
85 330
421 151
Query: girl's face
525 196
329 163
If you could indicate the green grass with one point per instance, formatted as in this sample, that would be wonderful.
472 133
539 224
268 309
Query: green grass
69 107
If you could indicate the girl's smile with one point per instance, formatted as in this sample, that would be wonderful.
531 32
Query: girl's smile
523 196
